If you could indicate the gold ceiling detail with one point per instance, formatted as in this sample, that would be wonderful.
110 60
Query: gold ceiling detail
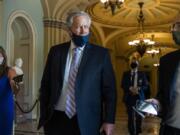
112 4
158 12
114 31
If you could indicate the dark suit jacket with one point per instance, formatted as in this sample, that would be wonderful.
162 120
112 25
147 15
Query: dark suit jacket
95 83
142 82
167 71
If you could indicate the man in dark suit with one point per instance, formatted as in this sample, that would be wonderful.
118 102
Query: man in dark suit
168 96
78 91
134 84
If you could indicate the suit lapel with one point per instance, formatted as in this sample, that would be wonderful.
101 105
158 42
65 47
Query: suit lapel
86 55
129 75
64 58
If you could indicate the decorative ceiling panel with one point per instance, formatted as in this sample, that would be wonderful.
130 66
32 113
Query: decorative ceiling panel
156 12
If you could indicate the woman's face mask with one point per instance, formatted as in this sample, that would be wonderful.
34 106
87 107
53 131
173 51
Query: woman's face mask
1 60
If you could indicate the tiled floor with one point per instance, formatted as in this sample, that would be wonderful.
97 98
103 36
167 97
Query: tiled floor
150 127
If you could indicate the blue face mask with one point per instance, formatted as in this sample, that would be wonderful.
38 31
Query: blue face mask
176 37
80 40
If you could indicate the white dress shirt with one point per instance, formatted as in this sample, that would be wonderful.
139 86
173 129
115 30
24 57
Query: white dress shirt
62 99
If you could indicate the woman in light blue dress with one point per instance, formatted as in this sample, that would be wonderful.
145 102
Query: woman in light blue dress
6 96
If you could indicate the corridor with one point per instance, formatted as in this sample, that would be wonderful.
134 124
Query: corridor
150 126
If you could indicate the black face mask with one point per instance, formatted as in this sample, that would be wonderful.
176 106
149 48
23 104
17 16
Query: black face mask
176 37
134 65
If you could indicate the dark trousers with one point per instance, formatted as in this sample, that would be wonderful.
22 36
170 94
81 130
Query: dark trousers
60 124
168 130
134 121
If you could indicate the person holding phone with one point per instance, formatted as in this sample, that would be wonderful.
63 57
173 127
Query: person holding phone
134 84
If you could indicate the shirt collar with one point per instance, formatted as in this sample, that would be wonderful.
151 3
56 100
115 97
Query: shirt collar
134 70
72 46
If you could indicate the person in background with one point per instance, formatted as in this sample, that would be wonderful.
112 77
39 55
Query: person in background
168 95
6 95
78 91
134 84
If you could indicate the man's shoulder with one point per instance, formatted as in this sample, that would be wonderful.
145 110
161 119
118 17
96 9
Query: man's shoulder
141 72
98 48
170 58
170 55
62 45
59 47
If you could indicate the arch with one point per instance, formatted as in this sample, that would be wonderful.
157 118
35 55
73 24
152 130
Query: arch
20 22
46 9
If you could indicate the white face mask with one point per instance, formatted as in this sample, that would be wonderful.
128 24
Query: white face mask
1 60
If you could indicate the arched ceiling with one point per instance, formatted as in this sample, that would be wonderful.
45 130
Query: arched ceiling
158 15
58 9
122 27
156 12
114 31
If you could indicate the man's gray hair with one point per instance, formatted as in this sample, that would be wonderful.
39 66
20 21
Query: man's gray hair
69 19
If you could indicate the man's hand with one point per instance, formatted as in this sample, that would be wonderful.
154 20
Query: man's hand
15 87
108 128
134 90
154 101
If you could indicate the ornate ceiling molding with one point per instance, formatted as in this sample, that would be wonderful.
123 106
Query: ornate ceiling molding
55 24
156 12
115 31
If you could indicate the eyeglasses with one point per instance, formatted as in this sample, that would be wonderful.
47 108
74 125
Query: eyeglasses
176 27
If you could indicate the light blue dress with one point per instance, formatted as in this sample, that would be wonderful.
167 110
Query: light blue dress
6 107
